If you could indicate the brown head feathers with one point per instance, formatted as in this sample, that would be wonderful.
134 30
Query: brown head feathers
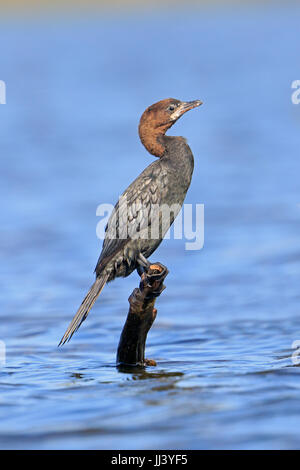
158 118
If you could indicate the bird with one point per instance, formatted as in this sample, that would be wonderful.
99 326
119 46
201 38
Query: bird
136 225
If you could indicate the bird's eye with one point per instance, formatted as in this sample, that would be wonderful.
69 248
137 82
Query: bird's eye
171 107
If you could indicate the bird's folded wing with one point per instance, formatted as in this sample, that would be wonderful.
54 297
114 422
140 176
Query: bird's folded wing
134 211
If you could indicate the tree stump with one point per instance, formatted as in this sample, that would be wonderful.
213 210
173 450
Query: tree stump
140 318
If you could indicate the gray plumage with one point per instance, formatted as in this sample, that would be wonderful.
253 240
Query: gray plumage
165 181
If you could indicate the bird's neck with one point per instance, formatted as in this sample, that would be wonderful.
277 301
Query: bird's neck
153 138
178 159
176 149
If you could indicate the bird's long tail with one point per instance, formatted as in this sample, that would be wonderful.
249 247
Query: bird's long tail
84 308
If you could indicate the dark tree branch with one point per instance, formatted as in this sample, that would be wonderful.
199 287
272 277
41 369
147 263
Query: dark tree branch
141 315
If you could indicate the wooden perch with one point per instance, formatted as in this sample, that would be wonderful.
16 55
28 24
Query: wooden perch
141 315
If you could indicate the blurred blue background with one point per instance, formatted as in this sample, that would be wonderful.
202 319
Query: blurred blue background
77 84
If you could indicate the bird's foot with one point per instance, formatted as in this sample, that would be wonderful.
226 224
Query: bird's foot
140 269
142 264
142 261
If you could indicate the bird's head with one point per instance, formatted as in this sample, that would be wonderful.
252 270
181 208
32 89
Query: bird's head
158 118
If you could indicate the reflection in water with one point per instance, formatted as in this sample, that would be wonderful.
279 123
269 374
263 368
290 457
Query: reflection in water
68 141
141 373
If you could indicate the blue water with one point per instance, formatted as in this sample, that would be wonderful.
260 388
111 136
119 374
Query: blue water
76 87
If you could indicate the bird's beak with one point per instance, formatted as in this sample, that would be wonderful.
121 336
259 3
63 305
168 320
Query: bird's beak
184 107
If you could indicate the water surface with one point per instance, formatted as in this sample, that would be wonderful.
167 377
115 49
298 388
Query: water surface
227 320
